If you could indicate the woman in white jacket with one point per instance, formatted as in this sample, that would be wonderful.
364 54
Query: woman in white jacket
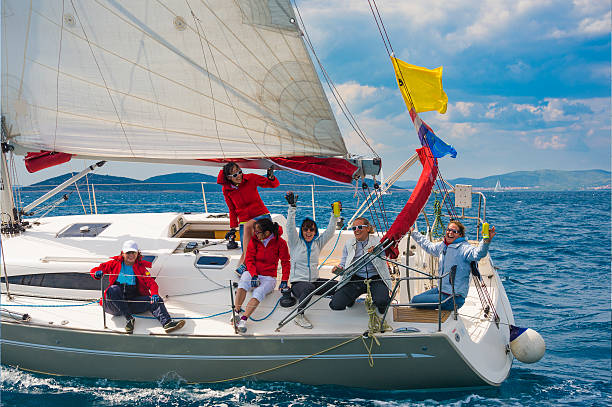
305 248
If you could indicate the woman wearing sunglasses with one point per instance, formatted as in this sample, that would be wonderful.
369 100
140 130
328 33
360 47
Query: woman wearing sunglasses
305 248
265 250
376 270
453 250
244 203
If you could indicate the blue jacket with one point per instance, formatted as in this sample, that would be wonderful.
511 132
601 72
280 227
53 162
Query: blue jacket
459 253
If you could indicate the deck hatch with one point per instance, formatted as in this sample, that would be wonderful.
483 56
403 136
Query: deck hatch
83 230
207 261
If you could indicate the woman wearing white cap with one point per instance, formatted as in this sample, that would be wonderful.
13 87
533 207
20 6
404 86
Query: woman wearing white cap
131 288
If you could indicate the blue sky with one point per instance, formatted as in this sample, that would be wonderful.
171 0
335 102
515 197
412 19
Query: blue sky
528 82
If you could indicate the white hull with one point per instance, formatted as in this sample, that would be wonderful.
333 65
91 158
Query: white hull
65 339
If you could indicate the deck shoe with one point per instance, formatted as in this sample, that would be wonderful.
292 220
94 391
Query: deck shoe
174 325
235 319
129 325
241 269
302 321
242 326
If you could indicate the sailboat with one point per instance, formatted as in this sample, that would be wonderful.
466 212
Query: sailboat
498 187
201 83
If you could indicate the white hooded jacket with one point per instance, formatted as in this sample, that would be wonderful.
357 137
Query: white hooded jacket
305 259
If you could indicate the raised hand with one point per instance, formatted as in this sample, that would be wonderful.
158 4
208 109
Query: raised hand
291 198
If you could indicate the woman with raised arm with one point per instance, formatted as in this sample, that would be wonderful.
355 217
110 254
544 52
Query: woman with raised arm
244 203
305 248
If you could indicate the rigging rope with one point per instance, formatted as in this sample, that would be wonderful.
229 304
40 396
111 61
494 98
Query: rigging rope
438 229
283 364
102 76
343 107
440 183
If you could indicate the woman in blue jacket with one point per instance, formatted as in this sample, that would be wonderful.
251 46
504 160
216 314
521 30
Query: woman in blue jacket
453 250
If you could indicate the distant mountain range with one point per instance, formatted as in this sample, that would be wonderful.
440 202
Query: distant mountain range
180 181
544 180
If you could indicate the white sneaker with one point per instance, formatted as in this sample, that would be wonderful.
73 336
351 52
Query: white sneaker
241 326
235 319
302 321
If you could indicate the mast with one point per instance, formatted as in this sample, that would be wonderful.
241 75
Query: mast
10 216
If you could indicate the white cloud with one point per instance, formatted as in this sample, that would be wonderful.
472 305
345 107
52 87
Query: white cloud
589 27
554 142
462 107
352 92
462 131
451 26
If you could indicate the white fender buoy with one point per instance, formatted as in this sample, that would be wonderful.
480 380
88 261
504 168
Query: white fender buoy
526 344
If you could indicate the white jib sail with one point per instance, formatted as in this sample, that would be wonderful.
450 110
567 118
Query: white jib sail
162 80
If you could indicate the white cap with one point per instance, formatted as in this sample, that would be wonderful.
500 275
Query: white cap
130 246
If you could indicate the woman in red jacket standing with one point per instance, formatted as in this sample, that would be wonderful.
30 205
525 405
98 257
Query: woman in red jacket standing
244 203
263 253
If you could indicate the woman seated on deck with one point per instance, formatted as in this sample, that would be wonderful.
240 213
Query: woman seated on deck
264 251
132 290
453 250
305 248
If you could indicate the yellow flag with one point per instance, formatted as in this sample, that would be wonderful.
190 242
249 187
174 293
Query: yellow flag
421 85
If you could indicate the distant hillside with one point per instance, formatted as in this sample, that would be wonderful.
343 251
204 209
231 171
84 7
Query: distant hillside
543 180
180 181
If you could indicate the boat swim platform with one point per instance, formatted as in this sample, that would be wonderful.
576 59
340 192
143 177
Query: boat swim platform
409 314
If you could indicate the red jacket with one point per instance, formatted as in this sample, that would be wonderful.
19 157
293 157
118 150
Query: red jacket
145 283
244 202
263 260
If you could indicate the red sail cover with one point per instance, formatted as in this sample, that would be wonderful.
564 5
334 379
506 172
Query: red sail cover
331 168
415 204
45 159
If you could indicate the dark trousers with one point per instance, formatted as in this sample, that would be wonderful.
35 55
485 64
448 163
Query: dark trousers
302 289
347 294
123 299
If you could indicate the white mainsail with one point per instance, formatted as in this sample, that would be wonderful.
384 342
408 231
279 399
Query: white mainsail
162 80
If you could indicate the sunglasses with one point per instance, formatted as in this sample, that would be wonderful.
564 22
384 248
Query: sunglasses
236 174
307 229
452 231
359 227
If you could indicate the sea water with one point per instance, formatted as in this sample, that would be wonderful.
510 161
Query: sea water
552 250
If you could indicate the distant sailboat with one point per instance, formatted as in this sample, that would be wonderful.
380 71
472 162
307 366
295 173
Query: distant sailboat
498 187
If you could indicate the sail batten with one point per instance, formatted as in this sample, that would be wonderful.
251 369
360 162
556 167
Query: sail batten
154 81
